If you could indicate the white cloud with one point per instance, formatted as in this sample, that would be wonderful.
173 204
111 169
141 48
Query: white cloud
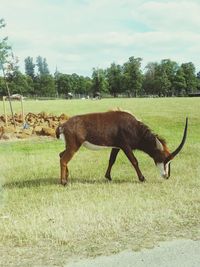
79 35
170 16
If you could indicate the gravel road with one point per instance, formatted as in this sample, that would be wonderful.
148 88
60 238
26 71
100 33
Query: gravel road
183 253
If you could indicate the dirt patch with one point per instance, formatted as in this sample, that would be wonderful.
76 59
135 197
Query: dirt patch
41 124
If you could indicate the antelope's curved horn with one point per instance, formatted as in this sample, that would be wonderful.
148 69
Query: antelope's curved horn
175 152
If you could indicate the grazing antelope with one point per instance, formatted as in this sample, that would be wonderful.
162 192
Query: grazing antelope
118 130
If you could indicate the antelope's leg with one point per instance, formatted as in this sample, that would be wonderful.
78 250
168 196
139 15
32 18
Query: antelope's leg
65 157
61 154
134 162
112 159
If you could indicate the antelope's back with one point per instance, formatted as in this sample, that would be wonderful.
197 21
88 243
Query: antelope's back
104 128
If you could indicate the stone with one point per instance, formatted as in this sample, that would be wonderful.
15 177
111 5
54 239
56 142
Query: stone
48 131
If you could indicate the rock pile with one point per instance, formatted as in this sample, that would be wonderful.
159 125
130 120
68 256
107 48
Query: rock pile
41 124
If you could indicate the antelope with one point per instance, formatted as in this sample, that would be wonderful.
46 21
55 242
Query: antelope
118 130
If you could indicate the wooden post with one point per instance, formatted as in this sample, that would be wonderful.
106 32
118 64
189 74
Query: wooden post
8 91
22 107
4 110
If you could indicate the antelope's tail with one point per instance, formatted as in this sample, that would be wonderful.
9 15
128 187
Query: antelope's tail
59 131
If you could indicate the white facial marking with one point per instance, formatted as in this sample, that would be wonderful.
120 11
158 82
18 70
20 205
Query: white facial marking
161 168
167 168
159 145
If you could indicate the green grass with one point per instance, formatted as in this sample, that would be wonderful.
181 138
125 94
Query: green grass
45 224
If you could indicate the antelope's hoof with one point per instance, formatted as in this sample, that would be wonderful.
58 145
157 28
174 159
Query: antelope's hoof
142 179
64 182
108 177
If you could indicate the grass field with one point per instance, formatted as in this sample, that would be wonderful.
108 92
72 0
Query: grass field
45 224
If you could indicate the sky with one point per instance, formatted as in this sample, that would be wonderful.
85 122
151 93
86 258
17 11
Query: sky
76 36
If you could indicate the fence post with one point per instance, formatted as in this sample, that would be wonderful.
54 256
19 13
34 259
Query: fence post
22 107
8 91
4 110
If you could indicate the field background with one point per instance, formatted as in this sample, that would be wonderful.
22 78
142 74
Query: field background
45 224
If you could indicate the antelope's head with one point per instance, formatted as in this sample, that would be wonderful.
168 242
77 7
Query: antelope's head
164 164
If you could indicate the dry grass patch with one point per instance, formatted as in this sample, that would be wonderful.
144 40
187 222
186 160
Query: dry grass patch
43 223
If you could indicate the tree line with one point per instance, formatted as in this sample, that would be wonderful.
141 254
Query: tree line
166 78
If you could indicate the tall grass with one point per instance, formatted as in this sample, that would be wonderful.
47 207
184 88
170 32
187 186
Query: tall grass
42 222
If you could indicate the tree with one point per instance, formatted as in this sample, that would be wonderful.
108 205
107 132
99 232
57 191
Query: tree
66 83
168 69
2 87
150 78
84 85
179 83
8 64
88 85
5 52
99 84
75 86
133 75
63 84
42 66
29 67
162 84
114 78
45 67
5 49
159 78
30 83
45 85
19 83
198 80
190 77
